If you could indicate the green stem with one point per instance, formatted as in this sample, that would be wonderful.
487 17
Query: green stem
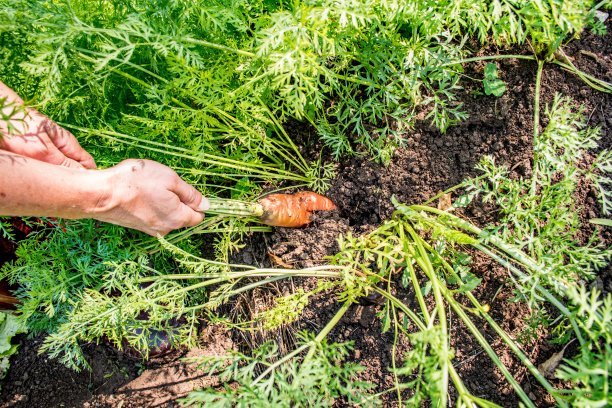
218 47
456 187
413 277
487 347
278 148
393 364
489 57
424 262
323 333
515 254
468 398
593 82
234 208
285 135
599 5
536 109
354 80
242 289
280 362
248 274
398 304
257 170
547 295
114 69
519 353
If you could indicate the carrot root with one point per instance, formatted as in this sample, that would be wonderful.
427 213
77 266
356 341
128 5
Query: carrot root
293 211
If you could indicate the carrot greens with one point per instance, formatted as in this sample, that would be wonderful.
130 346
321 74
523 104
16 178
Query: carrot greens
214 89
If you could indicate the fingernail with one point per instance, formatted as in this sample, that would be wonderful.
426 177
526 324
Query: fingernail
204 204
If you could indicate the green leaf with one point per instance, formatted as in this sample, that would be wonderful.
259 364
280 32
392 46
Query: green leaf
490 71
463 259
426 289
386 320
495 87
9 326
471 282
405 278
601 221
465 200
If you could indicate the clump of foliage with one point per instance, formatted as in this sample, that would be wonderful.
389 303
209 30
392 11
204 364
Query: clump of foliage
204 86
436 267
81 281
358 70
540 214
53 266
299 382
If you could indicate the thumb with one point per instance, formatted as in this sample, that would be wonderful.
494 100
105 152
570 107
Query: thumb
67 144
191 197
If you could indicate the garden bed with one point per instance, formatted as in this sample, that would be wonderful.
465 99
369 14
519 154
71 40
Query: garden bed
430 162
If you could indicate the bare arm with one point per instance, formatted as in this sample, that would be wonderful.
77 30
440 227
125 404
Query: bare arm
140 194
45 172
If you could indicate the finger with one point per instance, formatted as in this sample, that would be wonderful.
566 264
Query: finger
189 195
204 204
67 162
190 217
67 144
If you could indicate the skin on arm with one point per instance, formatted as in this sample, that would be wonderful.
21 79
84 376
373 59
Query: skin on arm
45 172
140 194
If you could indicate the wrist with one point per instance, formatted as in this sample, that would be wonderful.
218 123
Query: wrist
115 188
99 192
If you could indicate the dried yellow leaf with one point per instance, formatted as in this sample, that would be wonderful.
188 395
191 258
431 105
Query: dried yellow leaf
444 202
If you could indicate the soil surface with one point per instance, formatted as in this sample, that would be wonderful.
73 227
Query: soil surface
429 162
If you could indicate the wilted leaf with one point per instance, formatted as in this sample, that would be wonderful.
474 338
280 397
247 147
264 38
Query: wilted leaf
278 261
549 367
444 202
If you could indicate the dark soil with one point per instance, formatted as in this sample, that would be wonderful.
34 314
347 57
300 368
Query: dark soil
430 162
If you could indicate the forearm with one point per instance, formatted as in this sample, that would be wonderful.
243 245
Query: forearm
30 187
44 172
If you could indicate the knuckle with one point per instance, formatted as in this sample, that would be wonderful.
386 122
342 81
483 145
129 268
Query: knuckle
132 164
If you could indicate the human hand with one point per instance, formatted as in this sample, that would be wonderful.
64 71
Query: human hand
38 137
150 197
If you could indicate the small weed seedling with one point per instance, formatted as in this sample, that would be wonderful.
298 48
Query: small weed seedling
492 84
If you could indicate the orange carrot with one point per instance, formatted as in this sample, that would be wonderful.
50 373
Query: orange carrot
284 210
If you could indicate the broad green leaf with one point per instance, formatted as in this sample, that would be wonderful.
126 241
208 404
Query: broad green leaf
490 71
471 282
495 87
9 326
